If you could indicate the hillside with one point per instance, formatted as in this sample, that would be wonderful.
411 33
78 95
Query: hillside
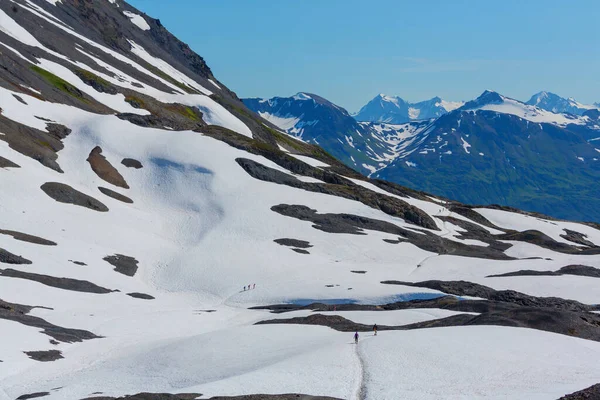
141 200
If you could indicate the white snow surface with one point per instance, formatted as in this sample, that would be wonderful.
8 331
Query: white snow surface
137 20
202 229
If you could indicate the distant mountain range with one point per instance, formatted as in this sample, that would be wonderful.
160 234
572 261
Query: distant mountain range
394 110
542 155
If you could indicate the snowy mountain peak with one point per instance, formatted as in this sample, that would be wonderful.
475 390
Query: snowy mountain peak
302 96
395 110
557 104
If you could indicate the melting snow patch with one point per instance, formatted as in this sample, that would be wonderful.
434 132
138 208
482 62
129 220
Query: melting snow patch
581 158
465 145
166 68
370 168
310 161
481 154
53 2
213 82
137 20
411 164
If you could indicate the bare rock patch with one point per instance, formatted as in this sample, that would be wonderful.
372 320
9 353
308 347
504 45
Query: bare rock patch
7 257
142 296
6 163
66 194
75 285
302 244
104 169
44 356
24 237
115 195
123 264
131 163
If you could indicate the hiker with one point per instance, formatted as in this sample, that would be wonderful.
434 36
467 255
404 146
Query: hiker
253 285
244 288
375 329
356 337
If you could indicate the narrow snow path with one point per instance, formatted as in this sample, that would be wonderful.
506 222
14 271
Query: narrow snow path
360 390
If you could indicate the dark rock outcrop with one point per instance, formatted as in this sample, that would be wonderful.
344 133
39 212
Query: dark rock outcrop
75 285
44 356
115 195
27 238
591 393
302 244
104 169
577 237
123 264
131 163
579 270
6 163
66 194
142 296
464 288
337 186
7 257
354 224
32 395
20 313
301 251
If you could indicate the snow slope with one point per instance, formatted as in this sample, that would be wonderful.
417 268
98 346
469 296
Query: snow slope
202 228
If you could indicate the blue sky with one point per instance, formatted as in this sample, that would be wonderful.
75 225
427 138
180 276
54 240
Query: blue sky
348 51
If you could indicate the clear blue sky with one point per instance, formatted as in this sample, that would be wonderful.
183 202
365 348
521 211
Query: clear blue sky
350 50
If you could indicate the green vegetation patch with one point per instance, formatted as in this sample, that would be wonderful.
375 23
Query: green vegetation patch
185 111
98 83
58 82
135 101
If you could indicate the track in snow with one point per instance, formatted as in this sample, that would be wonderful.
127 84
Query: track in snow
360 390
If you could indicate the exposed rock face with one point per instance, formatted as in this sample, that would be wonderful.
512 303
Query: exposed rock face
302 244
45 356
131 163
115 195
60 283
19 313
123 264
33 395
7 257
66 194
338 186
591 393
354 224
580 270
142 296
27 238
576 237
39 145
6 163
104 169
463 288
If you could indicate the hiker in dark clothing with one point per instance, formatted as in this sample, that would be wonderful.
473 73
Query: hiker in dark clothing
356 337
375 329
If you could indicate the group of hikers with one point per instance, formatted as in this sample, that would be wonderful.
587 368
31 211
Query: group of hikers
356 333
252 286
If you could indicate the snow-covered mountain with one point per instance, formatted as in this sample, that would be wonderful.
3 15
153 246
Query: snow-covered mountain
364 146
553 102
157 236
551 172
394 110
